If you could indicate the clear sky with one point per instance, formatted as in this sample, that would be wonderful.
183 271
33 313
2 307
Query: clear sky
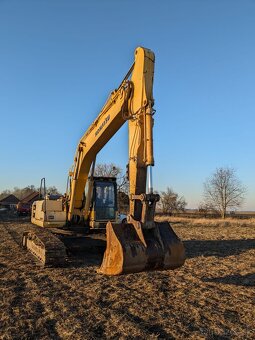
59 59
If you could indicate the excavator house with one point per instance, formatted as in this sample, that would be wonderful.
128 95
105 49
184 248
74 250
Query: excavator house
138 243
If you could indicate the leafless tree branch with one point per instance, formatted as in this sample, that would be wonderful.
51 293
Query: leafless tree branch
223 191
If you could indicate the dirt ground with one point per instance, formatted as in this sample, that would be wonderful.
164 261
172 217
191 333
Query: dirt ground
210 297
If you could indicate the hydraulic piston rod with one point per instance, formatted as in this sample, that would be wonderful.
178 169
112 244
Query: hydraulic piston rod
150 184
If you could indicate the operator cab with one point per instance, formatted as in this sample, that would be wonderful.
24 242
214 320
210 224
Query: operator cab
103 206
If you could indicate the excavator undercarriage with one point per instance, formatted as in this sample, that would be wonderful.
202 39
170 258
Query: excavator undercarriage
126 247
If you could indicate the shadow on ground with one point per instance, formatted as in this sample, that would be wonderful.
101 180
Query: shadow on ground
237 280
193 248
219 248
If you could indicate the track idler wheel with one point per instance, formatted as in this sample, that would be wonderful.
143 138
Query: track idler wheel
131 249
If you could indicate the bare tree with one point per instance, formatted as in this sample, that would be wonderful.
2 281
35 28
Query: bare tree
123 202
20 193
223 191
112 170
23 192
5 193
171 202
53 190
107 170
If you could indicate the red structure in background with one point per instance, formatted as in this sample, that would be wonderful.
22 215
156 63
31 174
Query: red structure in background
24 206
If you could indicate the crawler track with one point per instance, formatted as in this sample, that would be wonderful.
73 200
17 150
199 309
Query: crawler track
45 246
56 247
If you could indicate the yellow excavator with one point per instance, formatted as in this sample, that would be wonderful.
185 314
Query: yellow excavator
139 243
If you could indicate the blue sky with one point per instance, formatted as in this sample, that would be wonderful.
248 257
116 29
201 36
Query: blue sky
59 60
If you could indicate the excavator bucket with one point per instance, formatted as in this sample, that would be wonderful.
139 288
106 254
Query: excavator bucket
131 249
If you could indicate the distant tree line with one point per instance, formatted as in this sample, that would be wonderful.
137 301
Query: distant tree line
223 192
21 193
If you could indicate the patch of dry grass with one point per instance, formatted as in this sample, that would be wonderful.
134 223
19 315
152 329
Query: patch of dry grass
210 297
207 222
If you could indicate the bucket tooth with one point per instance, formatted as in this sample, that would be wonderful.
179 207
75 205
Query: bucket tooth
129 249
174 251
125 252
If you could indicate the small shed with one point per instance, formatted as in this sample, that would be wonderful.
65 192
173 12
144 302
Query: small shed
9 202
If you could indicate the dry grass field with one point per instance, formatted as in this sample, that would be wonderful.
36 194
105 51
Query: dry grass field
211 297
